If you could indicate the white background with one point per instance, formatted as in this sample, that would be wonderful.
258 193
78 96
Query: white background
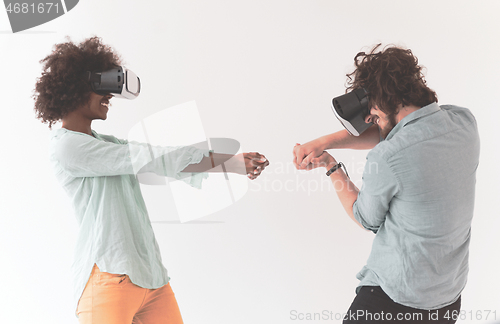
261 72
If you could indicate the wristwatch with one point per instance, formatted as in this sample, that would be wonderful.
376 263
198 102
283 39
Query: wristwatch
336 167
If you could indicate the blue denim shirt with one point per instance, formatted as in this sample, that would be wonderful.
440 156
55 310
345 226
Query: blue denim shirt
418 197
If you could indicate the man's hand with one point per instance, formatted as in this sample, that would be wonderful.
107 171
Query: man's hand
325 160
303 154
255 163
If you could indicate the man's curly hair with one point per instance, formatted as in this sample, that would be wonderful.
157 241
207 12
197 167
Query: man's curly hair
391 77
63 87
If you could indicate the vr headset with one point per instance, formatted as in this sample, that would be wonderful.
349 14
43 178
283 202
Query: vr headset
351 110
120 82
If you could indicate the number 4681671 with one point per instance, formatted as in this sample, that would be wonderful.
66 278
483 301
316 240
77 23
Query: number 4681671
32 8
477 315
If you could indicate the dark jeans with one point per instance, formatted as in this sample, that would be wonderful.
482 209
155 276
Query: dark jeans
372 305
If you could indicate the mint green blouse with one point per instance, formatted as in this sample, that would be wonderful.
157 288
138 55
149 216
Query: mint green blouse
99 174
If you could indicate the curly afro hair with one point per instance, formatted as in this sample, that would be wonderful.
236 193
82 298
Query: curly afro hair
391 77
62 87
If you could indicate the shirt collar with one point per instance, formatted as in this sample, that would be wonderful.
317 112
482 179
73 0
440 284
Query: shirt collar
422 112
94 133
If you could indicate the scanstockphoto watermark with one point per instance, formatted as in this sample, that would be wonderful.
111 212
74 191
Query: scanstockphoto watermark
283 176
359 315
26 14
364 315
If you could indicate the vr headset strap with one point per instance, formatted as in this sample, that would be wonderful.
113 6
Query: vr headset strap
93 77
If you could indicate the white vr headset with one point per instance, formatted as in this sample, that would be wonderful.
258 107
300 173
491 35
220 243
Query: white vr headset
120 82
351 110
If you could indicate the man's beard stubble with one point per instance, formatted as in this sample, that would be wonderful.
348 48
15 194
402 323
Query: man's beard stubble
391 122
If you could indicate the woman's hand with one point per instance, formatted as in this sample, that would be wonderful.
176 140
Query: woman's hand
254 162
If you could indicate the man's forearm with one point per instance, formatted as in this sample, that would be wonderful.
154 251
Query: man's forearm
346 191
303 154
343 140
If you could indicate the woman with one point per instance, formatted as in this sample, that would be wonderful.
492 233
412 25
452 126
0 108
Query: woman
118 274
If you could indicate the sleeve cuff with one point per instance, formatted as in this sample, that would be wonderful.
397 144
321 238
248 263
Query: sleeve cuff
357 216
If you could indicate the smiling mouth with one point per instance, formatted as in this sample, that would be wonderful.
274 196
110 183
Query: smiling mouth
105 104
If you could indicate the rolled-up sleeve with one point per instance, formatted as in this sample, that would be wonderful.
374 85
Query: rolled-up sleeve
379 187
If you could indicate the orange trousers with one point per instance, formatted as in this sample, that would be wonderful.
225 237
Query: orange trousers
114 299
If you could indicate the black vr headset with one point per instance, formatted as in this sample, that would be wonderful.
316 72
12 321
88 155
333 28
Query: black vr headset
120 82
351 110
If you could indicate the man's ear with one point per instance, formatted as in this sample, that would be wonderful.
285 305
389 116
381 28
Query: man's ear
399 107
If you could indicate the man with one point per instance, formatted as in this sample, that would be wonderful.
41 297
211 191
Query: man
119 277
417 194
